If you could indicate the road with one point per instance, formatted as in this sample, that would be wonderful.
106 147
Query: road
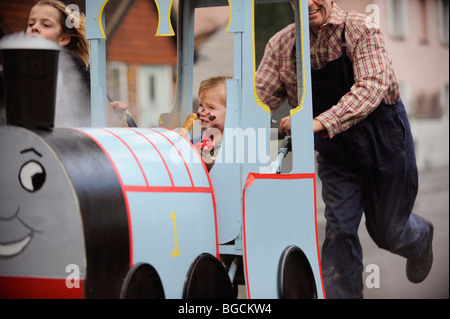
433 204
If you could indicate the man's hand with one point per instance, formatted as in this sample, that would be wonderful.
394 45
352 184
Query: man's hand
317 126
285 125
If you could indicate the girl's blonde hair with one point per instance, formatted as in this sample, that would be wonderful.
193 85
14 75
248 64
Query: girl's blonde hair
214 82
78 45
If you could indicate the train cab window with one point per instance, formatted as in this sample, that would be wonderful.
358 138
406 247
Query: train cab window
214 50
269 19
205 49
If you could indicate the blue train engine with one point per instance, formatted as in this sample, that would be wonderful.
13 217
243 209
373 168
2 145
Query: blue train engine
98 212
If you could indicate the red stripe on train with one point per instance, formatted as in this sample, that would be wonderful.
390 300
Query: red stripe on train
39 288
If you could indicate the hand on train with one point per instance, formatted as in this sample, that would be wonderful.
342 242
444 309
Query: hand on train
119 108
116 114
285 125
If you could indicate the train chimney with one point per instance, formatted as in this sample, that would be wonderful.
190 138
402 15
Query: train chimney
30 70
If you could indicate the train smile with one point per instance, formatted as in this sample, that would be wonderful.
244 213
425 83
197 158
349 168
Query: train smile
10 245
14 248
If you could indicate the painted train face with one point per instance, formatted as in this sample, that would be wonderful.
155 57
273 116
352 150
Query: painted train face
39 214
91 203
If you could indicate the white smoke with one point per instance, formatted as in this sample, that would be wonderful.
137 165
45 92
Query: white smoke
21 41
72 96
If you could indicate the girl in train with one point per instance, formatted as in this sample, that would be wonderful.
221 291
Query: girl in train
212 101
54 21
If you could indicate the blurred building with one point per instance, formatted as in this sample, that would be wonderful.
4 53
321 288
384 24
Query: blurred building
416 36
140 65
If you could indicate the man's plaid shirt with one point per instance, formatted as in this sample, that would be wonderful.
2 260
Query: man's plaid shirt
375 80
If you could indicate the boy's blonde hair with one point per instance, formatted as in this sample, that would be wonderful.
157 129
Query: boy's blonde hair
214 82
78 45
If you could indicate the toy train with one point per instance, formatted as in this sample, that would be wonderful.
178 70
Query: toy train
134 213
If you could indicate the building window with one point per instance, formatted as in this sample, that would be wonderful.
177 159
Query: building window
398 18
117 82
155 93
443 8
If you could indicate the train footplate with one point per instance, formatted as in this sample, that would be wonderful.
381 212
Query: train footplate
273 246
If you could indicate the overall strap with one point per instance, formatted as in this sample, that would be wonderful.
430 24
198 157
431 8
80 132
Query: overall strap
343 39
347 64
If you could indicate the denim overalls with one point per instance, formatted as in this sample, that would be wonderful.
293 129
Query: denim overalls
369 168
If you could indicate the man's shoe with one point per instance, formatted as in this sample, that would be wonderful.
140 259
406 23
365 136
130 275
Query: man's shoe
418 269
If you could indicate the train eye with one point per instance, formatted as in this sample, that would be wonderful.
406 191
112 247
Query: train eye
32 176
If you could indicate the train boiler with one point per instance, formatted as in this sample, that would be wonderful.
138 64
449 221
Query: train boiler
100 212
123 206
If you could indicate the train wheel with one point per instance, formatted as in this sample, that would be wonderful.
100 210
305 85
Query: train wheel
295 276
208 279
142 282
